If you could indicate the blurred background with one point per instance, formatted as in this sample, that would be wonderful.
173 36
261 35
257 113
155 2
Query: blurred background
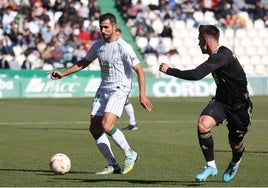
39 36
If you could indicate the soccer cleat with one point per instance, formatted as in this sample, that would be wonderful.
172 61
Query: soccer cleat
231 171
110 170
131 127
130 162
207 171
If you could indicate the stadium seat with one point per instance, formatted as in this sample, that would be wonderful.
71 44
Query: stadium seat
190 24
153 41
198 59
183 50
17 50
229 33
154 69
255 59
167 42
151 59
259 24
163 59
58 65
141 42
239 50
193 50
244 59
145 2
179 24
189 42
252 33
189 67
258 42
241 33
20 58
177 42
198 16
194 33
224 41
209 16
249 70
158 25
260 70
176 33
48 67
250 50
261 50
186 61
174 60
264 59
246 41
265 42
263 33
154 2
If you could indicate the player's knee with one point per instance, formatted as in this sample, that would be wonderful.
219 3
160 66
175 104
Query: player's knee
106 126
202 128
236 146
205 124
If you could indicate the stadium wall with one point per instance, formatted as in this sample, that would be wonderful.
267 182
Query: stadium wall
37 84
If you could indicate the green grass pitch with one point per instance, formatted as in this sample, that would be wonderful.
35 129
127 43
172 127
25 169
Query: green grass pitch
32 130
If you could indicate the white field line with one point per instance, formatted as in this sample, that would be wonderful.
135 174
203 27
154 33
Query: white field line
86 122
118 122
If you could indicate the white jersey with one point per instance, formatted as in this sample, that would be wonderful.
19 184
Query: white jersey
116 60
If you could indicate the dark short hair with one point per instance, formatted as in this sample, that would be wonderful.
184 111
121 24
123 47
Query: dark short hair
210 30
118 30
108 16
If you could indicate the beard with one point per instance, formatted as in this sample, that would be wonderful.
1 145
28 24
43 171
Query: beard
106 37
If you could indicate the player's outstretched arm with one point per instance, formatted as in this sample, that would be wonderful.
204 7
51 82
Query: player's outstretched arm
81 64
144 101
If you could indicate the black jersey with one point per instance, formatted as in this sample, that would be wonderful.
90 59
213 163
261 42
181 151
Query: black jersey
227 72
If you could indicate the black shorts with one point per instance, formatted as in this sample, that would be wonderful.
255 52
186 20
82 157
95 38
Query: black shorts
238 117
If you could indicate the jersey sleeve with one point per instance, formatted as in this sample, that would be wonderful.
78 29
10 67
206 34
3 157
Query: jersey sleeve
129 54
92 53
213 63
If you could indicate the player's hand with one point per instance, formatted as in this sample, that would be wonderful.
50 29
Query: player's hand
163 67
146 103
55 75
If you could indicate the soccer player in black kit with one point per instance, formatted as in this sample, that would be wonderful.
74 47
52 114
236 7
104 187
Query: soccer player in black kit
231 101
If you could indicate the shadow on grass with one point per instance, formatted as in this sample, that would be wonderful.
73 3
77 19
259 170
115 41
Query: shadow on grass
140 182
54 128
96 180
40 172
227 151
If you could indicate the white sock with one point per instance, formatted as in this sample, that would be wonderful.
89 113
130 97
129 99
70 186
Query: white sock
212 164
104 146
121 141
130 112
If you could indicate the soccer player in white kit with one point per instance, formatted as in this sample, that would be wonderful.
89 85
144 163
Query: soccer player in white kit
117 60
128 105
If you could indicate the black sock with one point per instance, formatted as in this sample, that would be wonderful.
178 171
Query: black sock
206 144
238 154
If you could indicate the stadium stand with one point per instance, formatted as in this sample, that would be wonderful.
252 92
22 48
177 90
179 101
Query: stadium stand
246 34
30 30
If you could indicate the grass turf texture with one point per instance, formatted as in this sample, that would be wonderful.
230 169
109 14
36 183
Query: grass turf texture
32 130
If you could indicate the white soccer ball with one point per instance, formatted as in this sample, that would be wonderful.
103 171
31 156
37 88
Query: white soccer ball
60 163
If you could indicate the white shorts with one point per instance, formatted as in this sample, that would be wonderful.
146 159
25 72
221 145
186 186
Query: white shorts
112 101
